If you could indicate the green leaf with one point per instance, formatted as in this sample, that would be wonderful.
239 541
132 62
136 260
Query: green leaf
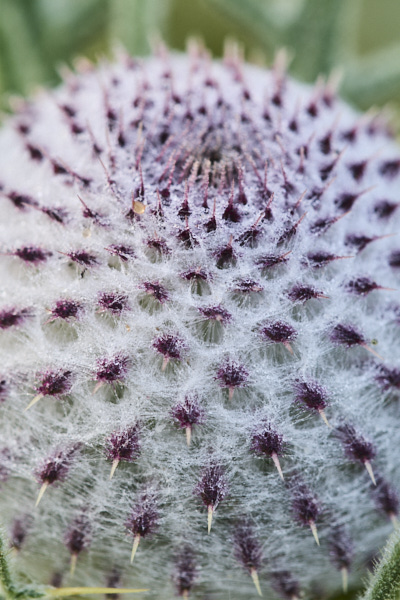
319 33
254 16
72 27
385 582
37 35
133 22
323 36
375 78
20 60
6 583
84 591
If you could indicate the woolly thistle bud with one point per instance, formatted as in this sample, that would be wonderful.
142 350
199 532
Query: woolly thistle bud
207 246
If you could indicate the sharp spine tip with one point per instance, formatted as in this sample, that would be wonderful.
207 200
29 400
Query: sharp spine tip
370 472
135 546
33 401
325 420
188 435
210 517
41 492
314 530
114 466
277 464
345 578
74 558
256 581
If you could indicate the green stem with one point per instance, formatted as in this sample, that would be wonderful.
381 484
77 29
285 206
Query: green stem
12 592
6 583
385 582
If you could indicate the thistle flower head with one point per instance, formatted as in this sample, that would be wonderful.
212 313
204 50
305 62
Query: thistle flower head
210 245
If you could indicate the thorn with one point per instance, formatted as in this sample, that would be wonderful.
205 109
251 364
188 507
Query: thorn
370 471
33 401
135 546
372 351
394 519
188 434
254 576
275 458
325 420
164 363
298 204
345 578
159 210
382 237
313 528
333 82
266 177
300 168
114 466
257 173
110 181
210 517
41 492
98 385
14 552
206 180
288 347
74 558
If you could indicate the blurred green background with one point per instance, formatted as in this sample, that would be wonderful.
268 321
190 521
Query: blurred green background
361 37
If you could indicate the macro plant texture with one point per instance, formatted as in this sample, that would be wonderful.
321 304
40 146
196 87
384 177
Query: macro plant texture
199 331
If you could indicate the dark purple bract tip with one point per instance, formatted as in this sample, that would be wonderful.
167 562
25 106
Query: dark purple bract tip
213 485
266 441
78 535
32 254
247 548
54 383
110 370
56 466
216 313
232 374
170 346
305 505
185 572
123 445
82 258
356 447
347 335
155 289
386 497
114 302
341 548
144 517
311 395
12 317
388 379
278 332
188 412
65 309
285 584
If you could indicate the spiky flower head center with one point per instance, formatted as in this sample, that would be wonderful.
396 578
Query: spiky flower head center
207 245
